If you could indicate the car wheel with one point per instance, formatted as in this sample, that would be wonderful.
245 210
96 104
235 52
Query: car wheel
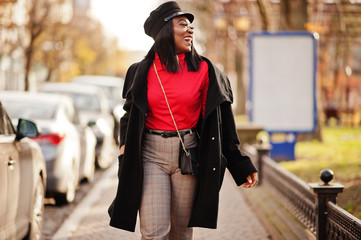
101 163
106 157
37 213
69 195
90 176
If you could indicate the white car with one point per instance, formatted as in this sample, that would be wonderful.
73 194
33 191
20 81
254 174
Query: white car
59 139
93 108
113 88
22 180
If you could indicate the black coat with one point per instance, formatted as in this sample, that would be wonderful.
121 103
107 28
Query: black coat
218 148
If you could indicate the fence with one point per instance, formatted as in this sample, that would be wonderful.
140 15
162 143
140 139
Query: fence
312 204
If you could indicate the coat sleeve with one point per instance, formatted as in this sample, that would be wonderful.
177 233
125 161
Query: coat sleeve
239 164
128 102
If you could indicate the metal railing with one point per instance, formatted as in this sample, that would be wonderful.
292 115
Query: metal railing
341 224
312 204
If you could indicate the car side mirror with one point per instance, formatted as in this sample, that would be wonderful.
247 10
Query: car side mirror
26 128
91 123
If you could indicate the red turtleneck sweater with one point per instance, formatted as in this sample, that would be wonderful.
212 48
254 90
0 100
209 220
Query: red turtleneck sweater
186 92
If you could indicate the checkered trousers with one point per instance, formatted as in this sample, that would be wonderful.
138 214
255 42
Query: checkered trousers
167 194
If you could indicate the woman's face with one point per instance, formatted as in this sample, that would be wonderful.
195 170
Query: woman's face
183 34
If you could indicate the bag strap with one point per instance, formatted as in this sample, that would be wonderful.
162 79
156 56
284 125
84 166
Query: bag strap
170 111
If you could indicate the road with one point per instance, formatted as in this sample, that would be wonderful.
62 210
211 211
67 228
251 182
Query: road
54 216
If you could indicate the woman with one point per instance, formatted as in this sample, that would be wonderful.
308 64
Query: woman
196 101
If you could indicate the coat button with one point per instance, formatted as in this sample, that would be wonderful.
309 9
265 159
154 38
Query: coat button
212 138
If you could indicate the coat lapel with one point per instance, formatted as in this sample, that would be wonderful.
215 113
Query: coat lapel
139 86
219 89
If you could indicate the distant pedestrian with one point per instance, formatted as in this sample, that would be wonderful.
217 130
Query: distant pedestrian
178 106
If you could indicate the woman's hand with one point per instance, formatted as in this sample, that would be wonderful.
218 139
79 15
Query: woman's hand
121 150
252 180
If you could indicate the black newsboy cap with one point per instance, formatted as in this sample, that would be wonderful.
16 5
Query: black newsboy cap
161 15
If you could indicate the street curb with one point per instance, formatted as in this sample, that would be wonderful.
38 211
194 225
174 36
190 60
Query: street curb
72 222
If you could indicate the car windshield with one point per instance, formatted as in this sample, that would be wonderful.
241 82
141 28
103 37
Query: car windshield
108 91
113 94
30 110
82 101
85 102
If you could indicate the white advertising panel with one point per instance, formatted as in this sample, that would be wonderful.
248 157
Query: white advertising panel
282 81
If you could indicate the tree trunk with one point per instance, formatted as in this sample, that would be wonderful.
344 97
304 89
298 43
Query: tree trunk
285 18
28 60
293 14
264 12
35 27
241 91
299 14
49 75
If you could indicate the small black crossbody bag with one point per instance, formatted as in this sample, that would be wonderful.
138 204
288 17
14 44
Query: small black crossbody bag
188 163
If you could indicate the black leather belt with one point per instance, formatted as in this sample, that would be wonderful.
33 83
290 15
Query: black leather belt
167 134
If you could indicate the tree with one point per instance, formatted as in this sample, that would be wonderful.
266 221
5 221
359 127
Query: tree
94 53
51 49
264 11
293 14
76 47
38 13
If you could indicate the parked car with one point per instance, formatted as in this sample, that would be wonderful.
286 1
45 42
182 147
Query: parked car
88 143
112 87
22 180
93 109
59 139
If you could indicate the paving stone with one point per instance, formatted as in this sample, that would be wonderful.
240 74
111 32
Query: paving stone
236 220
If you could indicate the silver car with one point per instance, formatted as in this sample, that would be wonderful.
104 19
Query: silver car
59 139
22 180
93 108
112 87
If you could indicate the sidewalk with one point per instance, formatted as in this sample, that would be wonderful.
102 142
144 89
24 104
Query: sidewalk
90 220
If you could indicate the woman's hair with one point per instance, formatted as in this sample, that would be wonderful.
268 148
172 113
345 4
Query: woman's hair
164 46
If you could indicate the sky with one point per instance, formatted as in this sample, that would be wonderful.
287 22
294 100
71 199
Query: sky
124 19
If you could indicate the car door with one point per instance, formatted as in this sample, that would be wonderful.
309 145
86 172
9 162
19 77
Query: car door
71 130
10 175
3 183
